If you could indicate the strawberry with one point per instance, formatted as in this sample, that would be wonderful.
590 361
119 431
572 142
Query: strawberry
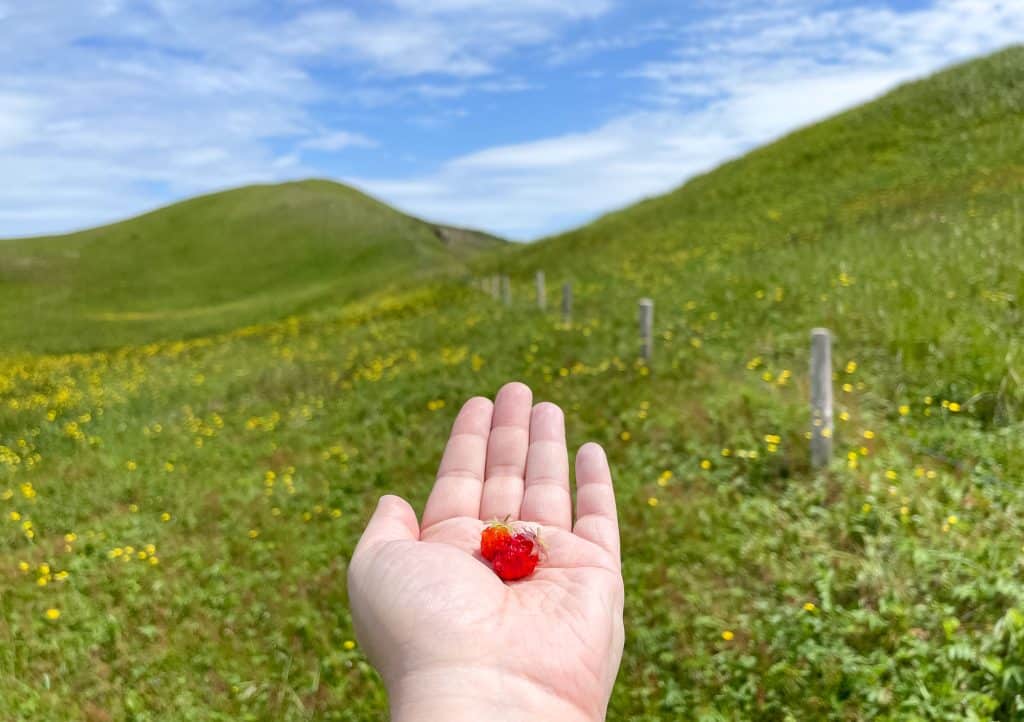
519 557
496 535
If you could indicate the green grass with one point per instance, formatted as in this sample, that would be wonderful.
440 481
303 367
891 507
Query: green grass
887 587
214 263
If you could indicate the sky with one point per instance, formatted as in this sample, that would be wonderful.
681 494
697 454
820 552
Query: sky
520 117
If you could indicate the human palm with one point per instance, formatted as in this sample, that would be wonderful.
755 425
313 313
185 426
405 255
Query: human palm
443 630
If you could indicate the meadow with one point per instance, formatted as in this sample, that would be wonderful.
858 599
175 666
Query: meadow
177 513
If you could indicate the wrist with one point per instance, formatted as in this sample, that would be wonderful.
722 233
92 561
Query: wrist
462 694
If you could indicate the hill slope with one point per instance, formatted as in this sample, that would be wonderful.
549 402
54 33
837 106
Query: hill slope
887 587
214 262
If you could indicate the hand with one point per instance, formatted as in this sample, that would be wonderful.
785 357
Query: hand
454 642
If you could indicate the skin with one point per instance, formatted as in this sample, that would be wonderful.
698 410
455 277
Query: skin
450 639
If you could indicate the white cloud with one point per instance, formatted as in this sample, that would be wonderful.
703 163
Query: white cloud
107 109
732 85
572 9
337 140
461 38
18 115
560 152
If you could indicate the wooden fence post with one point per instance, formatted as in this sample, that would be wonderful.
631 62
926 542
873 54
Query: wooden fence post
566 302
542 297
506 290
646 324
821 397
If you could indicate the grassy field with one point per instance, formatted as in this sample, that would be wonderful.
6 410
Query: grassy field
176 516
215 263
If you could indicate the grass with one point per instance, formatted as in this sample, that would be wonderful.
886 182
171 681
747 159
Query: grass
887 587
214 263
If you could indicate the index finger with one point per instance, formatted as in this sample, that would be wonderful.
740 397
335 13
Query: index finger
460 478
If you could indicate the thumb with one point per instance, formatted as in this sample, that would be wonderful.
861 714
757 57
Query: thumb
392 520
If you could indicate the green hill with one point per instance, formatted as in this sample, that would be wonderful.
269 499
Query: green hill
886 587
215 262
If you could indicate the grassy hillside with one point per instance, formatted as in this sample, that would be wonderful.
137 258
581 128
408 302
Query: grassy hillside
213 263
887 587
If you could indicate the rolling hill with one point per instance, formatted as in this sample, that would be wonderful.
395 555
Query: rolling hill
886 587
215 262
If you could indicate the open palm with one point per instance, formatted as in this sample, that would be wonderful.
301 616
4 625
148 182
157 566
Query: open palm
439 624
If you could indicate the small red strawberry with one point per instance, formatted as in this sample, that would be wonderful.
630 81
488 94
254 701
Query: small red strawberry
519 557
495 536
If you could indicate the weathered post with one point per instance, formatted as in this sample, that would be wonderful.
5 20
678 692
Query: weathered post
566 302
821 397
506 290
542 296
494 287
646 324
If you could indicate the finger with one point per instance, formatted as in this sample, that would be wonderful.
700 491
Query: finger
596 518
546 499
460 478
506 452
392 520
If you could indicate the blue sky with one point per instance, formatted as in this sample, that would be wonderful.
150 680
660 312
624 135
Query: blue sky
522 117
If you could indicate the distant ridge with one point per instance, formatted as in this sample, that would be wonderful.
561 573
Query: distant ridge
214 262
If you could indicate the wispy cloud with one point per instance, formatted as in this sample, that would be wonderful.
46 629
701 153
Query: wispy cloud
337 140
732 83
109 108
452 37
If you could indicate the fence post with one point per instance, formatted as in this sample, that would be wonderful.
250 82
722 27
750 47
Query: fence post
821 397
542 297
646 324
566 302
494 287
506 290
